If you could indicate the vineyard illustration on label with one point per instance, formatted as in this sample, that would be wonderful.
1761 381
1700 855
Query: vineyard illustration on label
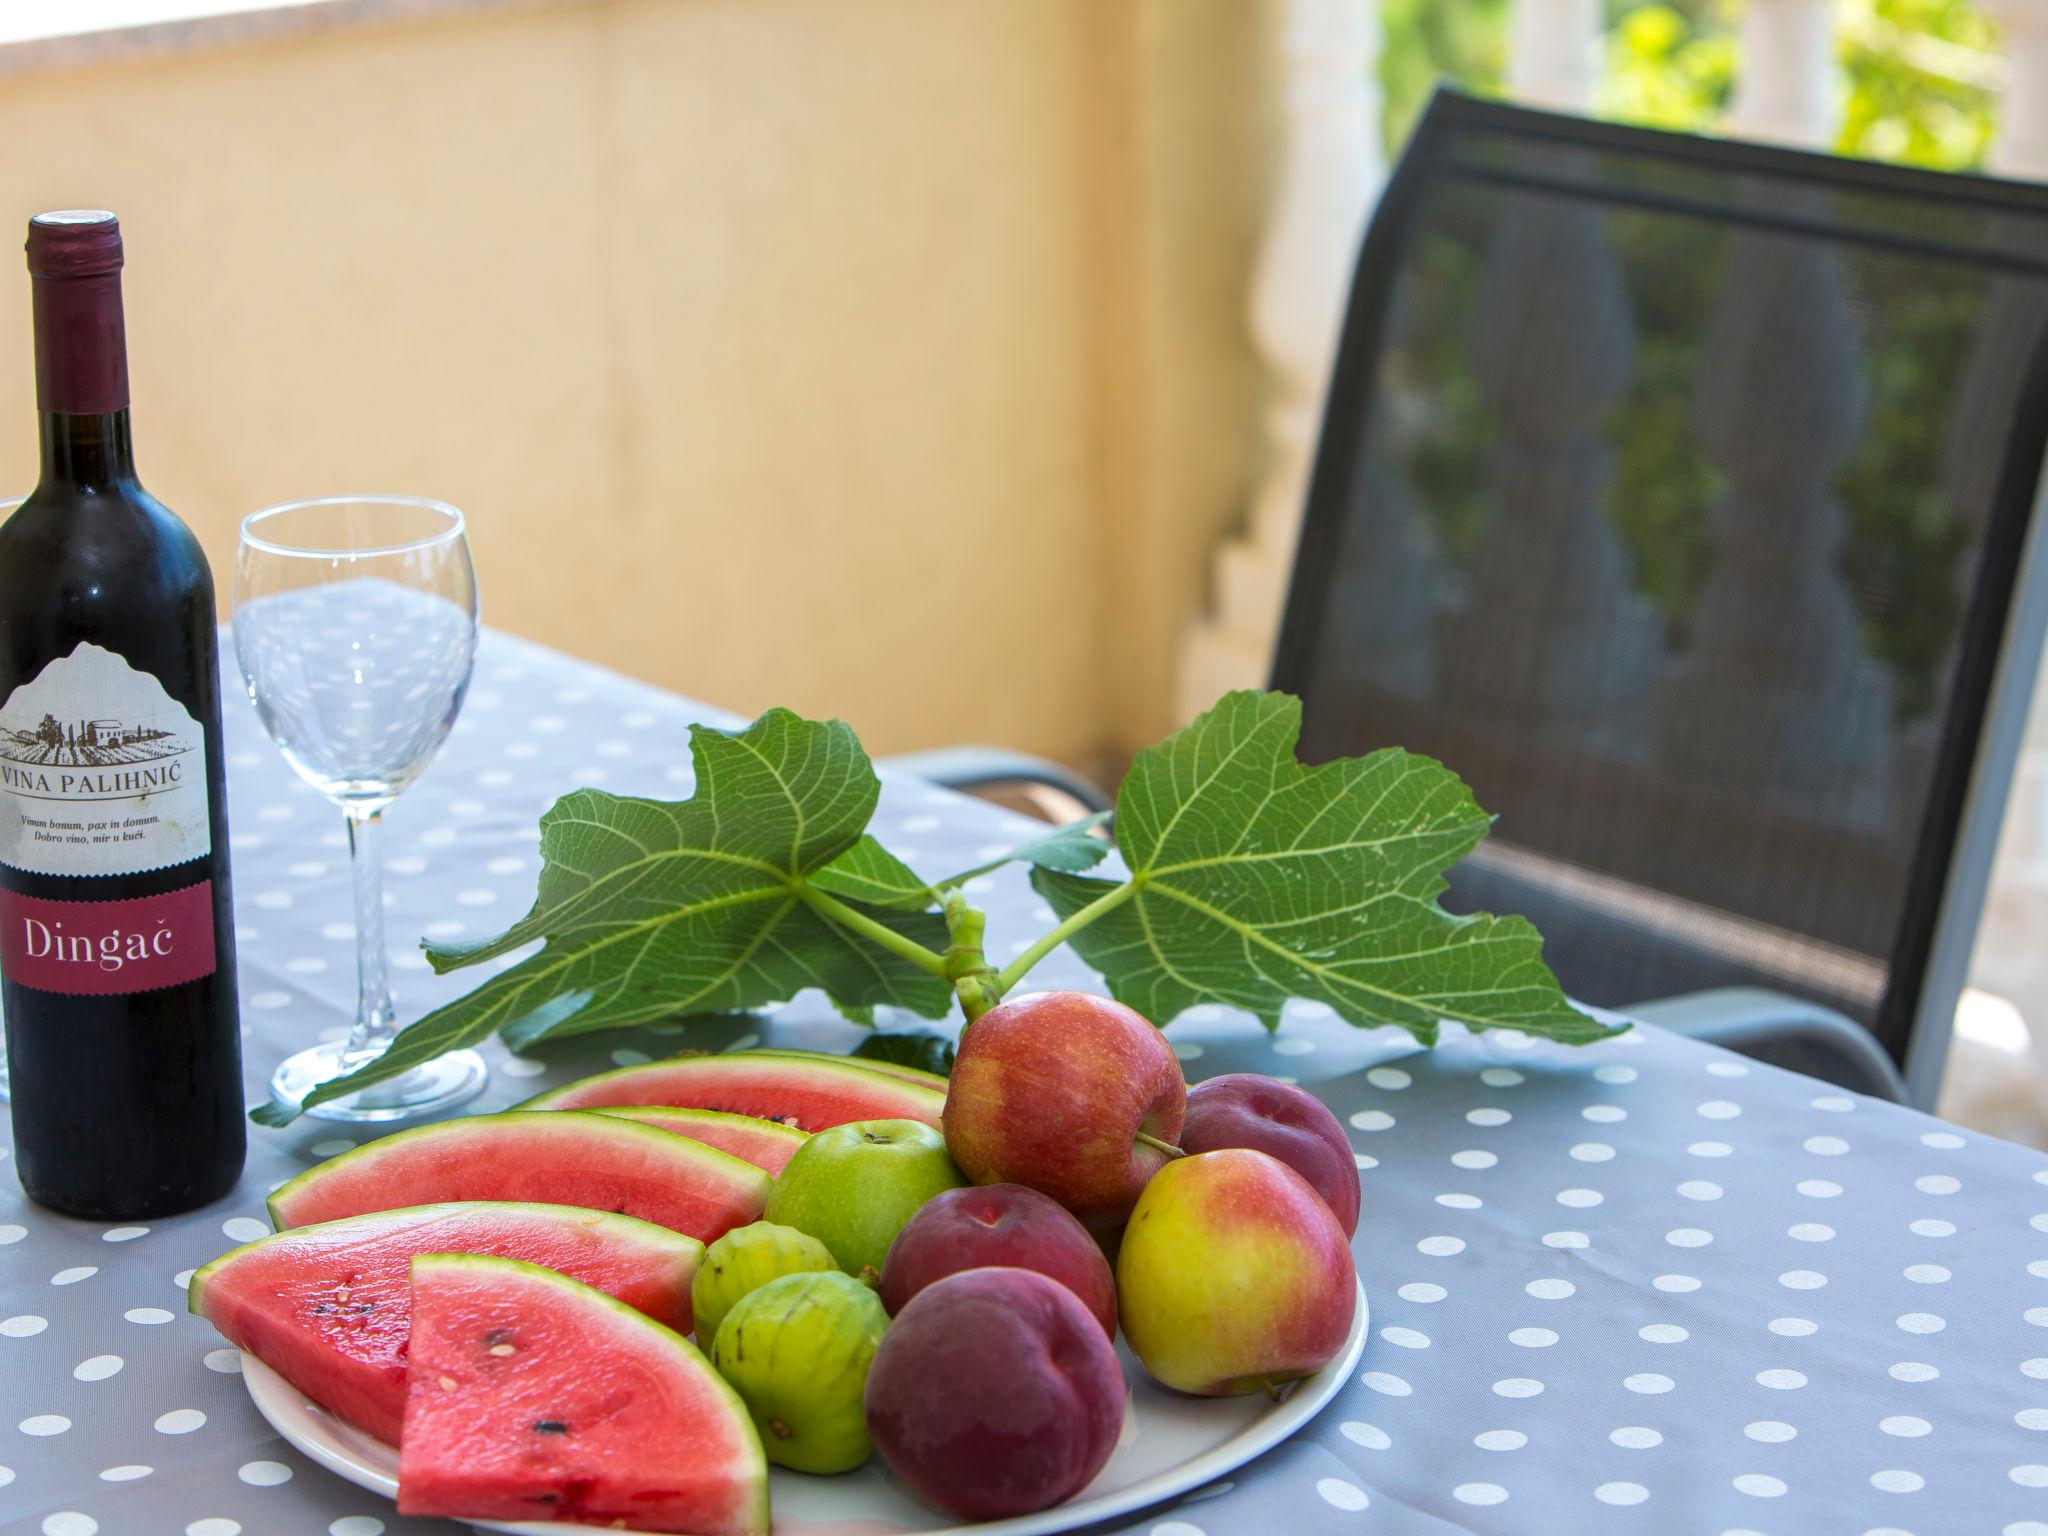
86 743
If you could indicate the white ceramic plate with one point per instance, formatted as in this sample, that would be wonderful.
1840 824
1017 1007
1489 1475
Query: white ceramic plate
1171 1445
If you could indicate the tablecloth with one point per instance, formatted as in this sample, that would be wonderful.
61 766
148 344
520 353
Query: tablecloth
1642 1287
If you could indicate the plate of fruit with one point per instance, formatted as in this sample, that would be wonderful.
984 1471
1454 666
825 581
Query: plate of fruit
783 1290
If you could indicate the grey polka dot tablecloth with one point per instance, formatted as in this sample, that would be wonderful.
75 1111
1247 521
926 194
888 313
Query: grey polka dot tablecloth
1644 1287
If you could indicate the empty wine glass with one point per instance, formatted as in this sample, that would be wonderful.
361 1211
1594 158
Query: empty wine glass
355 625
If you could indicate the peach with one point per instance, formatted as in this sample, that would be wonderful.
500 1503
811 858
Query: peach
1002 1225
995 1393
1244 1109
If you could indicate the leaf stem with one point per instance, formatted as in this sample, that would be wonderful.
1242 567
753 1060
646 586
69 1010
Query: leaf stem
904 948
1014 972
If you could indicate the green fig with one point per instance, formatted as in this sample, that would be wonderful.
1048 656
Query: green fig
797 1351
744 1260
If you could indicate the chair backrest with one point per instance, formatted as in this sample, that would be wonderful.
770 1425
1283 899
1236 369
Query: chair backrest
1678 493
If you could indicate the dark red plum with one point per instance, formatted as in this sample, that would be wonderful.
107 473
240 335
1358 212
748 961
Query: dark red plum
1244 1109
995 1393
998 1224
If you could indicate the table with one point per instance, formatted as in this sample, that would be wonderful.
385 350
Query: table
1643 1287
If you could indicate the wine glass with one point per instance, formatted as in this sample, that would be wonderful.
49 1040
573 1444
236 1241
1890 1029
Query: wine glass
355 626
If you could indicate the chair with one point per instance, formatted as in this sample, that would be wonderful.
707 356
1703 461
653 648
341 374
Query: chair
1679 494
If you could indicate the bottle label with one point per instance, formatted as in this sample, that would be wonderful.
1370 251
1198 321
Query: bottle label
101 771
102 947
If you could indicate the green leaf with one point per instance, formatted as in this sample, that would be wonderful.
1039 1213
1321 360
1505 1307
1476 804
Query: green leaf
648 909
926 1050
871 873
1255 879
1071 849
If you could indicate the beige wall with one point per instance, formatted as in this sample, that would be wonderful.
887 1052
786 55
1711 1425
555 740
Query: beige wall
877 357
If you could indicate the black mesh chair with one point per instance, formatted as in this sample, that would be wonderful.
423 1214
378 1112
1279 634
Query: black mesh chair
1679 493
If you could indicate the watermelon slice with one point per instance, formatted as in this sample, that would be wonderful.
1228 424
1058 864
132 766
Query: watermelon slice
535 1397
326 1306
811 1093
597 1161
761 1142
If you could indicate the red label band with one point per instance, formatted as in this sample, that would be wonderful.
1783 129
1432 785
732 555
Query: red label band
107 947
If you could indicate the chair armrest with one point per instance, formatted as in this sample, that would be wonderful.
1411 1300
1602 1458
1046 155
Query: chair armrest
971 768
1786 1030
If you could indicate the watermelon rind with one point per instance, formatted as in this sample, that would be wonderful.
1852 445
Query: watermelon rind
864 1094
774 1139
895 1069
753 1465
687 1161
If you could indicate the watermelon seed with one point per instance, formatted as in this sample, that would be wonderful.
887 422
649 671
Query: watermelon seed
550 1427
341 1293
503 1349
447 1383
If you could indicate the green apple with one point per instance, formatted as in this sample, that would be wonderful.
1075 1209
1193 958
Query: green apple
853 1187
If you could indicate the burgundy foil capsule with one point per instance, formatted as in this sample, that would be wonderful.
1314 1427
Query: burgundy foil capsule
74 259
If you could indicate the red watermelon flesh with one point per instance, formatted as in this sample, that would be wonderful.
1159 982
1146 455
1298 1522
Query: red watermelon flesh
596 1161
327 1308
763 1143
812 1093
533 1397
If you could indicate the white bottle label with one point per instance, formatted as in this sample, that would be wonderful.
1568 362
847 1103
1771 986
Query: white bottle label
101 771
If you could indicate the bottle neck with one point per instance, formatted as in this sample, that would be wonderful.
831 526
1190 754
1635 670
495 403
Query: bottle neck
87 451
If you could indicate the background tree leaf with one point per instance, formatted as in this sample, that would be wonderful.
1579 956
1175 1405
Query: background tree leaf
868 872
1071 848
648 909
926 1050
1255 879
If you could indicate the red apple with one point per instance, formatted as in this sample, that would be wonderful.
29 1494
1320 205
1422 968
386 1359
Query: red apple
1243 1109
1053 1090
998 1224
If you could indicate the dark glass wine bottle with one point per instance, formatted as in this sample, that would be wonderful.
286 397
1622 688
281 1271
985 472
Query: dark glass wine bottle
116 935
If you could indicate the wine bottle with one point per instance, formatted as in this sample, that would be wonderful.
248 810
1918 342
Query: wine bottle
117 959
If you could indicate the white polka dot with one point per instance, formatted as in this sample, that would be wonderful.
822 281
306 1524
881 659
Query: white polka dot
1460 1202
1488 1117
1905 1426
1343 1495
1937 1184
1405 1338
2038 1316
1636 1437
1440 1247
148 1317
1925 1274
1941 1141
1533 1338
306 965
1688 1237
1770 1431
1373 1120
1592 1152
264 1474
183 1278
1423 1292
1386 1384
2031 1418
1921 1322
127 1472
1810 1232
1719 1109
225 1361
1186 1050
214 1525
1650 1383
75 1274
2030 1476
1566 1240
1500 1440
270 1000
1517 1386
1710 1149
1579 1199
25 1326
180 1421
1289 1045
1779 1379
1792 1327
523 1066
2037 1368
1613 1072
1931 1227
1913 1370
1371 1436
1802 1279
1474 1159
1176 1528
1393 1079
1479 1493
245 1229
1825 1146
1728 1068
1500 1077
1759 1485
123 1234
1603 1114
2025 1528
1621 1493
356 1525
97 1368
69 1522
1894 1480
1700 1189
1662 1333
1678 1284
1834 1104
44 1424
1818 1189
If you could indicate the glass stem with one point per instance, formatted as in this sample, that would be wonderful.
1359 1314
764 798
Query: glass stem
375 1017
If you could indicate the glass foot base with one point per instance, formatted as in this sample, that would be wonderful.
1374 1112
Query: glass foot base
441 1083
